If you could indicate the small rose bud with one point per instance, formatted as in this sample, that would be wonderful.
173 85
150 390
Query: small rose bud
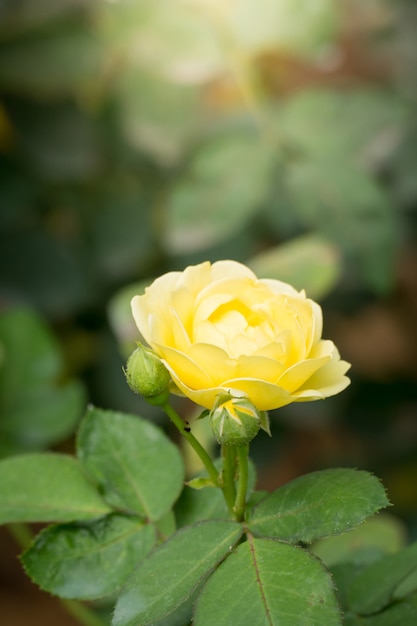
234 420
148 376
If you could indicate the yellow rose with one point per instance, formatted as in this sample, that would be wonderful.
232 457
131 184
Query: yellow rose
217 328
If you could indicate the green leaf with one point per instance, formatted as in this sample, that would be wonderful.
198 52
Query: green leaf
44 416
376 585
309 263
47 487
59 142
319 504
178 45
31 356
88 560
268 582
136 466
407 586
55 63
33 13
383 533
166 526
198 505
351 208
226 183
158 116
35 411
286 25
169 575
399 614
200 483
122 237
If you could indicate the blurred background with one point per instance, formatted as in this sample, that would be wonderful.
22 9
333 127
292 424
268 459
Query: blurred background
141 136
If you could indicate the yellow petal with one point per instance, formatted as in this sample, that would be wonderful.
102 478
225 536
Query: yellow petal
183 368
205 306
213 361
222 269
204 397
195 277
327 381
296 376
278 287
265 396
267 369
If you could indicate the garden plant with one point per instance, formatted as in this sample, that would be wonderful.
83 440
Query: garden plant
128 525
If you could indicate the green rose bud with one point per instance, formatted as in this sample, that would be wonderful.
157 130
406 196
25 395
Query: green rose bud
148 376
234 420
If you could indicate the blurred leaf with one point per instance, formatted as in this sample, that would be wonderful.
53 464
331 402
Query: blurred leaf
319 504
398 614
88 560
199 505
292 25
57 139
224 187
55 64
17 195
31 356
268 582
121 318
35 411
157 116
309 263
159 586
122 236
376 585
350 208
44 416
138 468
383 533
56 283
329 176
404 167
47 488
373 119
19 16
164 37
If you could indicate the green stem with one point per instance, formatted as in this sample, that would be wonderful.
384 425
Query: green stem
23 537
242 488
228 477
21 533
194 443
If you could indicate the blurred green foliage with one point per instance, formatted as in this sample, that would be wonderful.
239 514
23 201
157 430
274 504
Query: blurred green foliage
138 136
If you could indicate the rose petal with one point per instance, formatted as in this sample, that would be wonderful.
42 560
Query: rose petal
220 269
297 375
265 396
327 381
268 370
183 368
214 361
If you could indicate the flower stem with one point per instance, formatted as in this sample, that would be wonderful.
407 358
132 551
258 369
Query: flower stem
194 443
228 477
240 502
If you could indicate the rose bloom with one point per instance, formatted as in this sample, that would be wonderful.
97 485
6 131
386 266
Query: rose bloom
218 328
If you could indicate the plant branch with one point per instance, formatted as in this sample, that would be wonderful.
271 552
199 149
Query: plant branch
242 488
228 477
194 443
